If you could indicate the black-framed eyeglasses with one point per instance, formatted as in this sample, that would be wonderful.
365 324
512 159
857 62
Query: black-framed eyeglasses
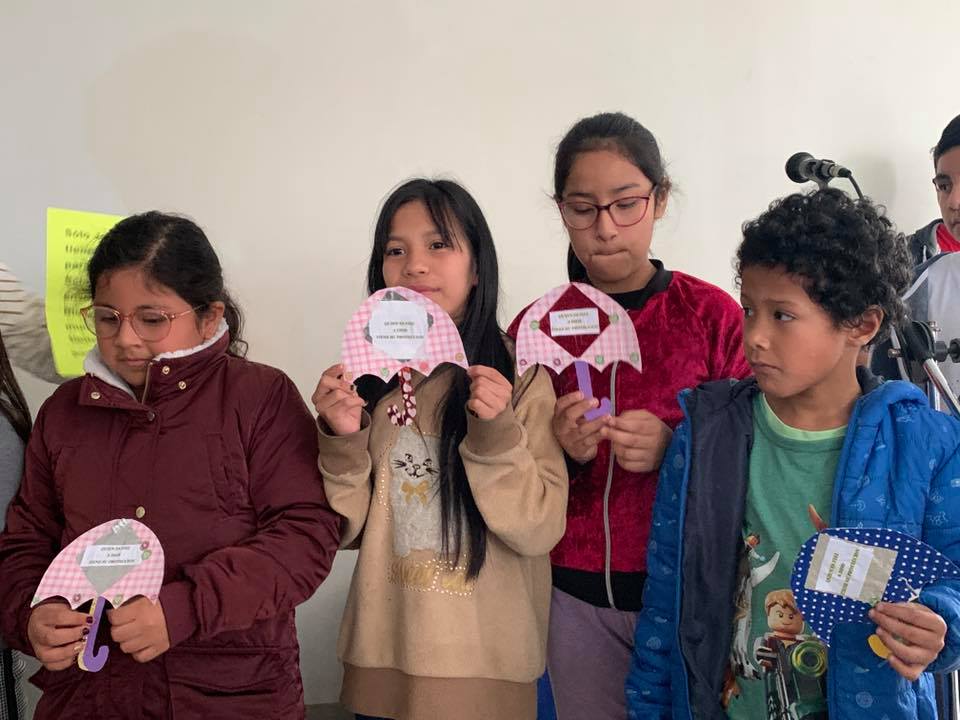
149 324
625 211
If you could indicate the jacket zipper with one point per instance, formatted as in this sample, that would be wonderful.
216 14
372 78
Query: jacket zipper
146 385
841 465
681 517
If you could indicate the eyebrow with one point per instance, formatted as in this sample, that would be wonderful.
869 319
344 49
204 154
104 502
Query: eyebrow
164 308
614 191
402 238
769 301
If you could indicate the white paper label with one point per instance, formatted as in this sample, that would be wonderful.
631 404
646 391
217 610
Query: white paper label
844 569
398 328
581 321
111 556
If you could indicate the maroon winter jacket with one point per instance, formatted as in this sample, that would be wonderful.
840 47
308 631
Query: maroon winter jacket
690 331
220 461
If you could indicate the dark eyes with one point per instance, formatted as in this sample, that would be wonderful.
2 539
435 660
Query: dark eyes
777 314
397 251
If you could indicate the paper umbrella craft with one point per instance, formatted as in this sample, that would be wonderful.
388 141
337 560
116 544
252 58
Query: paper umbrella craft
396 331
840 573
111 563
578 324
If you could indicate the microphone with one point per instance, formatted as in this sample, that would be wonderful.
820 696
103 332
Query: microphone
802 167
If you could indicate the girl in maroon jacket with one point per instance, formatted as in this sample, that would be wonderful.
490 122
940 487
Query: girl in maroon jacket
171 425
611 187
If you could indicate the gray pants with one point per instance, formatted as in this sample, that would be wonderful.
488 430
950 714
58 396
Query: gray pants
588 656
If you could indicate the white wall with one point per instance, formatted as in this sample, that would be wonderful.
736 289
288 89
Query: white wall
281 126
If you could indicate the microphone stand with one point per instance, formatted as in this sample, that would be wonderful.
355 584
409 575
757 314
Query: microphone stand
822 183
920 347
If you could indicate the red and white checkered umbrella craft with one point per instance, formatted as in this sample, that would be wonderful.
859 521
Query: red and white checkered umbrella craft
580 325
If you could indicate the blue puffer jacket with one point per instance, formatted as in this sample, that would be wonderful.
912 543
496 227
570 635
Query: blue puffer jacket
899 468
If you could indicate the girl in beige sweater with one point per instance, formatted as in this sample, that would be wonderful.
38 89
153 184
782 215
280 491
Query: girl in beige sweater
455 513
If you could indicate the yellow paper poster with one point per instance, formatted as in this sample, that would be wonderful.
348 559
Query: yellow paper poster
72 236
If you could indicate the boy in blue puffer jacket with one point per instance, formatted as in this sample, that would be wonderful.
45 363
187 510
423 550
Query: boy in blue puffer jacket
757 463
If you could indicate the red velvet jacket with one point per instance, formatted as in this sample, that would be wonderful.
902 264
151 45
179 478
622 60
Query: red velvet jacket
220 460
689 332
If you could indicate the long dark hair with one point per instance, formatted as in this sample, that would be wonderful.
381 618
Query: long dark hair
12 402
608 131
173 251
456 215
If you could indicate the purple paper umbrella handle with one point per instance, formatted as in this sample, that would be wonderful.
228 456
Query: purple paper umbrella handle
586 387
89 660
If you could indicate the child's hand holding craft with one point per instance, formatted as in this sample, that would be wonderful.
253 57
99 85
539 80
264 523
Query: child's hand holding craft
55 632
139 627
490 392
337 402
912 632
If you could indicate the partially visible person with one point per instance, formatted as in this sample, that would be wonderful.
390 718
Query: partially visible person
943 234
24 328
14 431
933 249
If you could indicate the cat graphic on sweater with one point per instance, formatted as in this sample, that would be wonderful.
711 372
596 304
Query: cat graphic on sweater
414 499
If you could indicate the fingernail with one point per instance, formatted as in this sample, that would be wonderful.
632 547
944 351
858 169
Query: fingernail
353 388
88 619
84 632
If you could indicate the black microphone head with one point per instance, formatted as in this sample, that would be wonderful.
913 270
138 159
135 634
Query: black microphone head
794 167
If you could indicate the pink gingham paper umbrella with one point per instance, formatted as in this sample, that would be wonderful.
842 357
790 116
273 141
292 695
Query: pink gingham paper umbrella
578 324
111 563
395 331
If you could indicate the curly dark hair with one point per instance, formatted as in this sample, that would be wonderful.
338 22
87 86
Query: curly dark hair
846 253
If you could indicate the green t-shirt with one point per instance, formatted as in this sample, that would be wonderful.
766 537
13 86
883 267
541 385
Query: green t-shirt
778 667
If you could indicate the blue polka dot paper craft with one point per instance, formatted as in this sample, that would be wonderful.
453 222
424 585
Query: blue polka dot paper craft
840 573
